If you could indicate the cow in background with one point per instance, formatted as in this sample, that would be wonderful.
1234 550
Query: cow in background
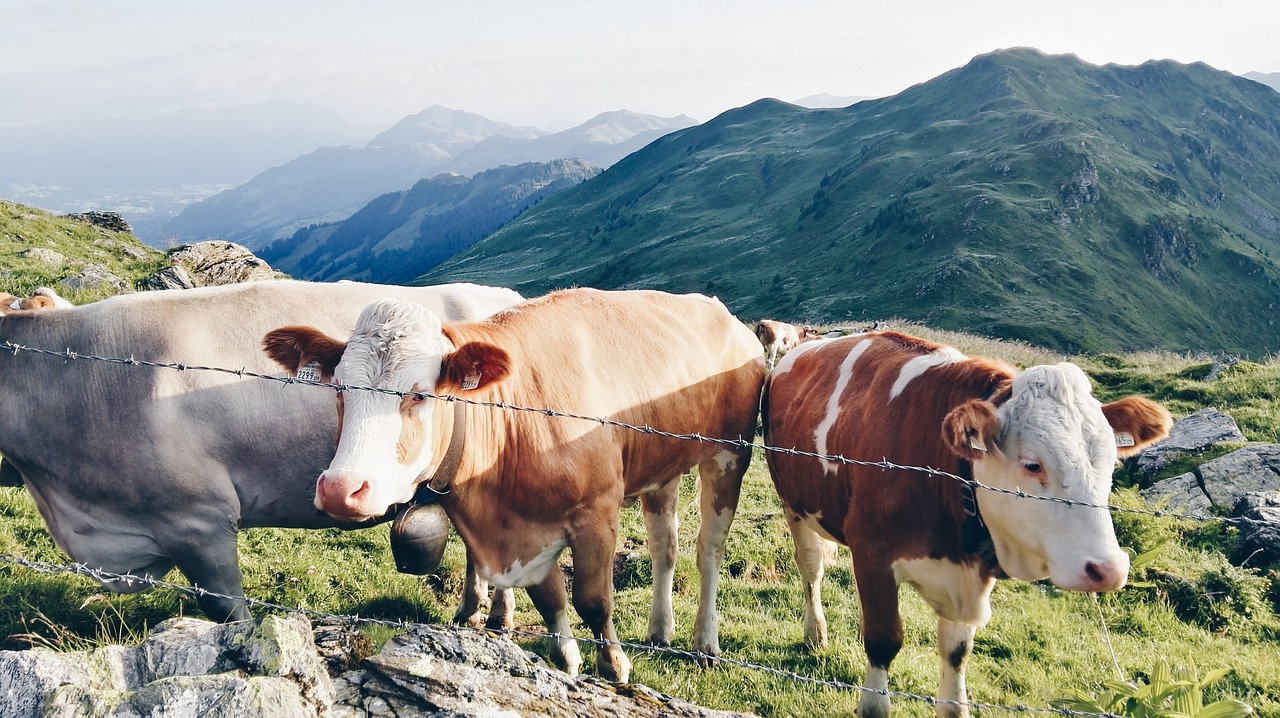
43 298
917 403
138 469
780 337
525 486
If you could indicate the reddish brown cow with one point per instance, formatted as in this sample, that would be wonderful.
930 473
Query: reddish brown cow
918 403
523 486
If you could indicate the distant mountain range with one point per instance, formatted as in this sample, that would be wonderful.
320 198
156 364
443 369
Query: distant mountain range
828 100
1024 195
1270 79
332 183
148 165
401 235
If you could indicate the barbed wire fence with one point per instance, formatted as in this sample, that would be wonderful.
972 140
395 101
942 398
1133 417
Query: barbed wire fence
106 578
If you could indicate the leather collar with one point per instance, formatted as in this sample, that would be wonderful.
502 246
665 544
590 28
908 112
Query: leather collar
438 484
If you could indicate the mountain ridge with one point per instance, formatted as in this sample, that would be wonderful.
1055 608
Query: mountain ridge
1023 195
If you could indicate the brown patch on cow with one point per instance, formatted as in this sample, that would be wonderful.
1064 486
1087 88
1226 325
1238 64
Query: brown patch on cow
474 365
970 429
295 347
38 301
413 430
1144 420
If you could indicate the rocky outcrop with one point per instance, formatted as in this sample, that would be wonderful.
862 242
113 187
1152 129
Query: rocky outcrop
46 256
207 264
107 220
270 668
1260 530
1221 482
95 277
1189 435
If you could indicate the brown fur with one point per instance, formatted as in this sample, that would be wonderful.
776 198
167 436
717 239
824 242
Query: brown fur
1142 418
298 346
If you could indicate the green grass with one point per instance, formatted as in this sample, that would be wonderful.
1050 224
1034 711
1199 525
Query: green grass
23 228
1186 602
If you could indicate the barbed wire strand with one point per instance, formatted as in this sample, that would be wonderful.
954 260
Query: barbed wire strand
107 577
884 463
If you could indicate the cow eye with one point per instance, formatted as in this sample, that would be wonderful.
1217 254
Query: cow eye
417 398
1032 467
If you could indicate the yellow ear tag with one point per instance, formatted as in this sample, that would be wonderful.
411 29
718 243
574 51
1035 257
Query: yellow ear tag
976 444
470 382
1124 438
309 372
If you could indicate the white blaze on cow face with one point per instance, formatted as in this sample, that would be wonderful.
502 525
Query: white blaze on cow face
385 443
1053 440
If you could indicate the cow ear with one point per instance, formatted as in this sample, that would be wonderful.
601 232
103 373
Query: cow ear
296 348
970 430
1137 422
475 365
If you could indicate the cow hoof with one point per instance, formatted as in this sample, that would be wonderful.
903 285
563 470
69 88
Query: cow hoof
613 664
708 656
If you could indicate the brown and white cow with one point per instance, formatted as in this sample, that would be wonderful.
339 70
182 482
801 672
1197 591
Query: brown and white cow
526 486
780 337
918 403
43 298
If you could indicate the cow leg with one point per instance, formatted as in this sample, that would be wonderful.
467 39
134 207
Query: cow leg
955 643
475 592
593 541
812 551
721 485
663 523
881 629
209 561
550 600
502 615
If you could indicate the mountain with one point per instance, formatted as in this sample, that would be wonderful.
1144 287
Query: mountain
1024 196
332 183
147 165
1270 79
400 235
824 99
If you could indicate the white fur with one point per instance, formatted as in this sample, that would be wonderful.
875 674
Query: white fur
823 430
921 364
956 592
520 573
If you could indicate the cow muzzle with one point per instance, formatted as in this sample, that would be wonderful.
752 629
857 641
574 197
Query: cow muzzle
347 496
1096 575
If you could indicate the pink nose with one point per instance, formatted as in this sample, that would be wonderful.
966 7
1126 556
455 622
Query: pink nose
342 495
1107 574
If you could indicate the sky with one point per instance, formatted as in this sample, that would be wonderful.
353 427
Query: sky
554 64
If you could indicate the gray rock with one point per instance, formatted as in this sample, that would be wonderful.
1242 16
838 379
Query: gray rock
1253 468
94 277
1183 493
107 220
216 262
174 277
1190 434
186 667
47 256
1260 534
270 668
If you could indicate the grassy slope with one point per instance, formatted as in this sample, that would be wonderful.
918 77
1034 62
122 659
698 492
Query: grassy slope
23 228
1039 641
1033 197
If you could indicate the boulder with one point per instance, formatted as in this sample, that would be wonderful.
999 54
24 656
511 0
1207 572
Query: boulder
174 277
185 667
1183 494
1260 533
1190 434
107 220
1253 468
271 668
216 262
93 278
46 256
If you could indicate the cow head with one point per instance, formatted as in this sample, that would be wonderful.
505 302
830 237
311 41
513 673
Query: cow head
387 443
1053 438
